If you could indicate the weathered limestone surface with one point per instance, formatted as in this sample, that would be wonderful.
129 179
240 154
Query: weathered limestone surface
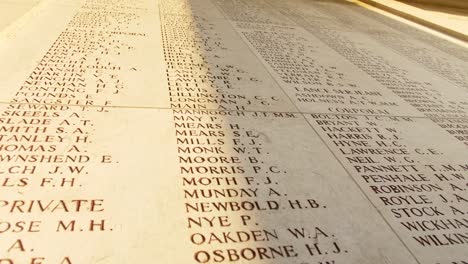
230 131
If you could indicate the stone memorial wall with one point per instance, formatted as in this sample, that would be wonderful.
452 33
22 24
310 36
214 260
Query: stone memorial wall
230 131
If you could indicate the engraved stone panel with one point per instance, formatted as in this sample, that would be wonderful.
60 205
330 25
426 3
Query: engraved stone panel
230 131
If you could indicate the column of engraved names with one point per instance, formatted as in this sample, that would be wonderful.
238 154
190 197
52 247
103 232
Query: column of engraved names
232 192
47 135
231 186
201 70
228 184
421 188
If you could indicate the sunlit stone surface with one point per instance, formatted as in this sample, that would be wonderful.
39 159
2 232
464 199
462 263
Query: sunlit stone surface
230 131
11 10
